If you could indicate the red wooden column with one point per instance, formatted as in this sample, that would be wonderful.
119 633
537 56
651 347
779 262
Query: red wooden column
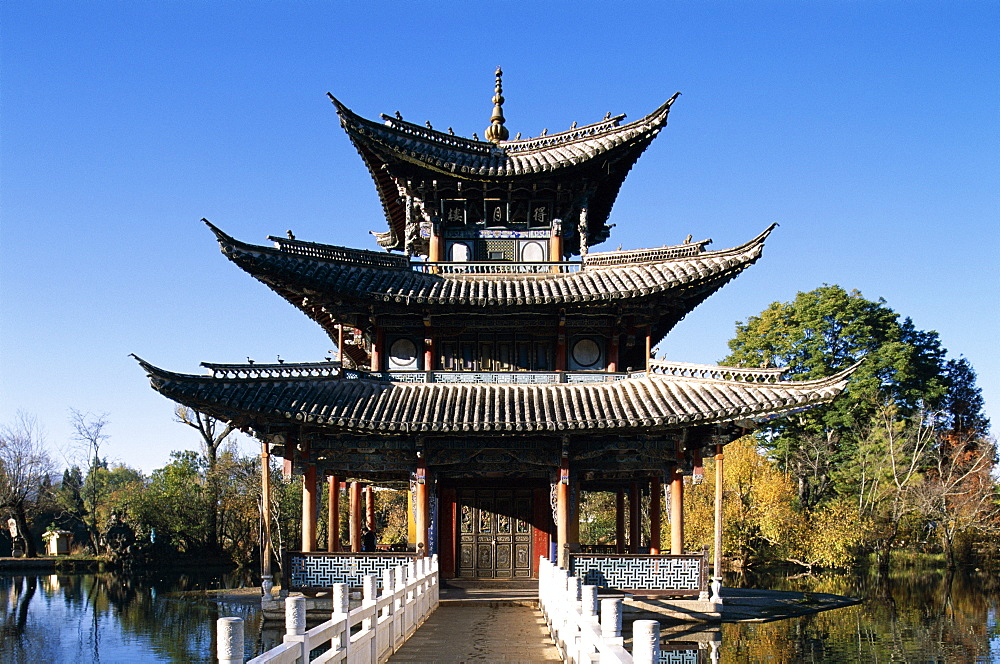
428 345
620 521
333 514
309 508
556 246
655 491
635 518
422 511
355 519
677 506
435 246
561 344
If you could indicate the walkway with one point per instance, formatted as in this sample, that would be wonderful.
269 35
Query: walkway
479 624
488 632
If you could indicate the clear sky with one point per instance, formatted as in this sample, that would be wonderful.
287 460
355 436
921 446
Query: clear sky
868 130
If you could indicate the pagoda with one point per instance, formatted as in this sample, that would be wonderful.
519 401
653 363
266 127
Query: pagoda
490 361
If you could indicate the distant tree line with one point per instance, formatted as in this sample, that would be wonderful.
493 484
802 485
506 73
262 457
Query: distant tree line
199 507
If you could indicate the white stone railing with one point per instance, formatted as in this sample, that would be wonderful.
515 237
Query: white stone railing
571 613
370 633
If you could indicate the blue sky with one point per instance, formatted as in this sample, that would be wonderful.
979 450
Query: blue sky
868 130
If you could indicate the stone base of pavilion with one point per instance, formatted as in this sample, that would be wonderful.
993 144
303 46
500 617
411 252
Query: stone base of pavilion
738 605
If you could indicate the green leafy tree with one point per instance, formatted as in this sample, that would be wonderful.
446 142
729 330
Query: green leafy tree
214 435
817 334
893 453
238 511
176 503
962 407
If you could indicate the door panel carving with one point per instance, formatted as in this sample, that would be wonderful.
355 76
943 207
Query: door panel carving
495 533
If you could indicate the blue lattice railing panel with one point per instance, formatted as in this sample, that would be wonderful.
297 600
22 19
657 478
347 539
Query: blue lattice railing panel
685 574
322 570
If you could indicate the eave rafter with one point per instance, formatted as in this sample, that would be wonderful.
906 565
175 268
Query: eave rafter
353 403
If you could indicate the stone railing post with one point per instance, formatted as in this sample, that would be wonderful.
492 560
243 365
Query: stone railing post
611 621
295 621
387 581
645 642
341 597
573 586
295 616
229 640
588 600
368 596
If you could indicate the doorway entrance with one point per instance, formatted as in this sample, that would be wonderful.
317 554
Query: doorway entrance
495 533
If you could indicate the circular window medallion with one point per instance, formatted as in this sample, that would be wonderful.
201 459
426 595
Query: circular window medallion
586 352
403 352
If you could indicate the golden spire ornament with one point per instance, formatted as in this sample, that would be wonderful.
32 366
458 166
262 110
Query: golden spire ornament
496 132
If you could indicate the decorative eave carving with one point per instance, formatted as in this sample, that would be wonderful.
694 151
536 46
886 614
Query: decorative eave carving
326 281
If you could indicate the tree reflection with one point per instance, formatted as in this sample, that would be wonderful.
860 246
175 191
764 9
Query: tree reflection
110 617
916 615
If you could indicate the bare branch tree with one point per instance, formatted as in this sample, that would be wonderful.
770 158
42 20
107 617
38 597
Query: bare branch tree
24 465
958 494
88 433
206 427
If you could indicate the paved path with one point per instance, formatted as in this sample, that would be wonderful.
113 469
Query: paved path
480 632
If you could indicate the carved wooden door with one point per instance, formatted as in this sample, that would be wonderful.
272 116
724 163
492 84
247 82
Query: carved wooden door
494 533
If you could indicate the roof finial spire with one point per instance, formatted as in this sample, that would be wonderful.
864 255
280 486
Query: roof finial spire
496 132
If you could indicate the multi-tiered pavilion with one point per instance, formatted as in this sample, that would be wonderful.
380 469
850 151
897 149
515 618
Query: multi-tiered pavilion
490 360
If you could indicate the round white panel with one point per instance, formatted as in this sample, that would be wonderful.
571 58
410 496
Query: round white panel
458 253
532 252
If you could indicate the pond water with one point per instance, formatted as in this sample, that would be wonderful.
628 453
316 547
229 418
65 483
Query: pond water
115 618
913 616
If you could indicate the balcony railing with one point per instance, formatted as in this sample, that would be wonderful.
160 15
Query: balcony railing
497 267
490 377
714 372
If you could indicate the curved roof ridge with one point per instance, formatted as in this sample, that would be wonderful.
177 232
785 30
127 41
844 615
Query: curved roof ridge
508 147
459 155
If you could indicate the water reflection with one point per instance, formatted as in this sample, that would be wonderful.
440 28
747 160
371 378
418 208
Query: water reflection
913 615
113 618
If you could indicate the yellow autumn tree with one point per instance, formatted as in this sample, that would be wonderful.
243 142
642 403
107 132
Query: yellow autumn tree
759 516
